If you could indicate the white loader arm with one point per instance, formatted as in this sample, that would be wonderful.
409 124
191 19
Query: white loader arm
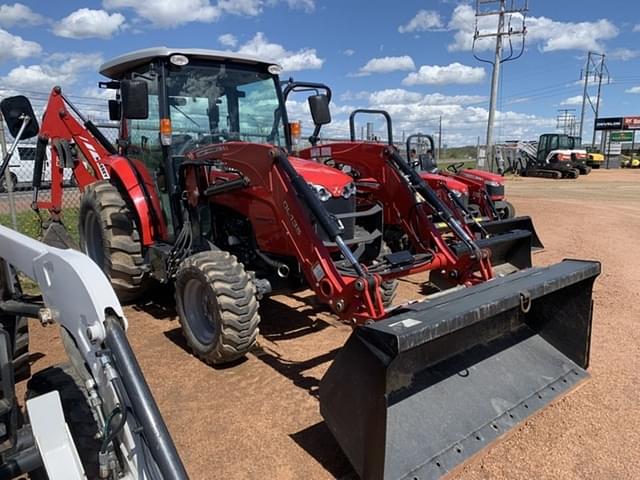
77 295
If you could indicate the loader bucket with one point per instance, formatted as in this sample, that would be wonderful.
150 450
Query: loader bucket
415 395
510 249
516 223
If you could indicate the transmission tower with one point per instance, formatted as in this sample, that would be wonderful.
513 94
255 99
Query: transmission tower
594 71
566 121
508 12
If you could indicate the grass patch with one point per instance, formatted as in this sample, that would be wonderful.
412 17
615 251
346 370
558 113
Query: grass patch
29 224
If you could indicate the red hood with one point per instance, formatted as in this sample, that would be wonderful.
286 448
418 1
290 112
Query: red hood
481 175
328 177
433 179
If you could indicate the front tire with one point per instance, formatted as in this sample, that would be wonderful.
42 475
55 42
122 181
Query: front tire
109 236
217 305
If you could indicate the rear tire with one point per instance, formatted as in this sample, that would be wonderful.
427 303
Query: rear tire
217 305
4 187
109 236
77 413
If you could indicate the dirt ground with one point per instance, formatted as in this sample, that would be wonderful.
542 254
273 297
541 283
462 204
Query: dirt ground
260 419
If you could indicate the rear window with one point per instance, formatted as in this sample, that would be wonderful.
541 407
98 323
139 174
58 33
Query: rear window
27 153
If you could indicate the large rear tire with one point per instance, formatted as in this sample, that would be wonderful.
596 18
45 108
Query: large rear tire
109 236
77 413
217 305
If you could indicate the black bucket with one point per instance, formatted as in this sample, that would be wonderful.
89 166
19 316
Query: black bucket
415 395
517 223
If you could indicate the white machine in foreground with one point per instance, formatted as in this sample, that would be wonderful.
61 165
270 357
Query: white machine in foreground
94 417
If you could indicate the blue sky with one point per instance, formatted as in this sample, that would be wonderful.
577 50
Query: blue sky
409 57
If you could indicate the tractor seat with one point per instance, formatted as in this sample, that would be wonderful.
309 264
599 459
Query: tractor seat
427 163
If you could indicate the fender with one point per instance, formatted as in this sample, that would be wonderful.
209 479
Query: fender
141 190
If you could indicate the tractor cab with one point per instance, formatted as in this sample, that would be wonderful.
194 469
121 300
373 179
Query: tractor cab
171 102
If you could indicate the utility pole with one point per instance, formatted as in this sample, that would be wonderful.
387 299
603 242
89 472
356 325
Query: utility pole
505 16
439 139
594 70
566 120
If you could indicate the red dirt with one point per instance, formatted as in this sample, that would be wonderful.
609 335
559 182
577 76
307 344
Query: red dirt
260 419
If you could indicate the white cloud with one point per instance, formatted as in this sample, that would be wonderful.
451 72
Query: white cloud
447 74
551 34
400 96
87 23
304 59
250 8
636 27
306 5
575 100
424 21
349 52
19 14
15 47
387 65
168 13
633 90
60 69
570 36
228 40
623 54
173 13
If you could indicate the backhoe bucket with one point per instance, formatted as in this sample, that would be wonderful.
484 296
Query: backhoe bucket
57 236
516 223
415 395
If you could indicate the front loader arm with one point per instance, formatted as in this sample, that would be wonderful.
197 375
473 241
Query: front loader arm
353 296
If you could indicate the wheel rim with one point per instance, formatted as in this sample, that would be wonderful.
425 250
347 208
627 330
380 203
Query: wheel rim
93 239
198 307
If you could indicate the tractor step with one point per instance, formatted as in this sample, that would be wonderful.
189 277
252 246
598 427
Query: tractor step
419 393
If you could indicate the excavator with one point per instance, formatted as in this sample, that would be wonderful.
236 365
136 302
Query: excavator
202 186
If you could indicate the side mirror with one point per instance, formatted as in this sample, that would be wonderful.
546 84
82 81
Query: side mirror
15 110
135 99
114 110
319 106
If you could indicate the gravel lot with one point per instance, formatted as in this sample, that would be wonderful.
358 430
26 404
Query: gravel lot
260 419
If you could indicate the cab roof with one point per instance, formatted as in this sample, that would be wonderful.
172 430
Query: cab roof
119 66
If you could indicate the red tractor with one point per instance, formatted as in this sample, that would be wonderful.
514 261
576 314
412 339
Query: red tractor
486 189
201 191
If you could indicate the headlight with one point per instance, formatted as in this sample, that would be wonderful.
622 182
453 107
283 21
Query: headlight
457 193
491 183
322 193
348 190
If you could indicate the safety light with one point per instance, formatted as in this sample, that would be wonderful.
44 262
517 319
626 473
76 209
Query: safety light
165 131
179 60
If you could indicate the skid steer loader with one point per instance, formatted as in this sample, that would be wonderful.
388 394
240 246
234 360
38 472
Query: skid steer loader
93 417
201 176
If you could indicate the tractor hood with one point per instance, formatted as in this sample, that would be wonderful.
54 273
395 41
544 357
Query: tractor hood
333 180
481 175
434 179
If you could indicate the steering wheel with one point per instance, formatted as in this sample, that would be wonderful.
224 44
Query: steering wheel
455 167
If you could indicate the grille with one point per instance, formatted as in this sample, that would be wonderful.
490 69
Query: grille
339 206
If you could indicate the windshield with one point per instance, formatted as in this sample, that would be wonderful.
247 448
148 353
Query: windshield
218 103
565 142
